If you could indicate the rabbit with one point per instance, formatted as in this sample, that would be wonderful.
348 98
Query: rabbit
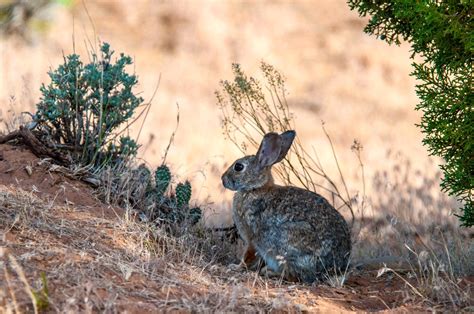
296 232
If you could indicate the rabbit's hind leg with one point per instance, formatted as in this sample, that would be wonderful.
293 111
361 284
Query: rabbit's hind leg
251 259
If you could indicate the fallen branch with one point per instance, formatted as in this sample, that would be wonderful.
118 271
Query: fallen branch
9 137
35 145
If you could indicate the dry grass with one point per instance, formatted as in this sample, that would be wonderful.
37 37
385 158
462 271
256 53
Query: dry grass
11 118
115 264
410 227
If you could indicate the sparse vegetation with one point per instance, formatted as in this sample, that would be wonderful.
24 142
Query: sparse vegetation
251 110
153 197
173 255
441 34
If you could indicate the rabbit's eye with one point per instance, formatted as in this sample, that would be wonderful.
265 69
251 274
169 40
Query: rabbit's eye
238 167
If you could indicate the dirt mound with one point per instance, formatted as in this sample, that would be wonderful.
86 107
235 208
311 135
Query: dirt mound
91 257
20 168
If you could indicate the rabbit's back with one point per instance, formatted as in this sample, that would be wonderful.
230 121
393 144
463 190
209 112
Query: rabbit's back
293 228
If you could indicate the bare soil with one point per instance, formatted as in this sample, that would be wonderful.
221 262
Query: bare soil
19 167
96 258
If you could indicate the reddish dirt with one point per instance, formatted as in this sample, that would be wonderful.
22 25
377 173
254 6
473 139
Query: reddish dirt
47 184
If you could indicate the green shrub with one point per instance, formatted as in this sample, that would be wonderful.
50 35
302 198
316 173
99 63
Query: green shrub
442 34
84 106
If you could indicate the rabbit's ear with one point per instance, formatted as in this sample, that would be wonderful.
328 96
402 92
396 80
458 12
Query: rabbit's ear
286 141
269 150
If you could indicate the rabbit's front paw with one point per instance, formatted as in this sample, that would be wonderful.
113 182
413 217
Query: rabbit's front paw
265 271
237 267
284 275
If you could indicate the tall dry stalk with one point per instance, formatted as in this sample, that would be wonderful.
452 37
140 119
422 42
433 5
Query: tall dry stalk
251 109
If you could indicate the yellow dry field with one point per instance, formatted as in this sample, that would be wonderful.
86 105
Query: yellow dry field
357 84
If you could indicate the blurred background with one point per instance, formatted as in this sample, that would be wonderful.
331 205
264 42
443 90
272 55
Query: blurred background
335 73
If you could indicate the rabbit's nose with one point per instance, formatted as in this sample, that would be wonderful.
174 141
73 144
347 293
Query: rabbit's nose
226 182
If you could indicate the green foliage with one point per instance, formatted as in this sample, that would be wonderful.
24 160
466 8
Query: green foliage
442 34
162 180
84 107
126 146
183 194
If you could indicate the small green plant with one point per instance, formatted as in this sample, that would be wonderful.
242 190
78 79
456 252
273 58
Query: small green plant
162 180
441 33
41 296
152 196
164 205
86 108
183 194
195 215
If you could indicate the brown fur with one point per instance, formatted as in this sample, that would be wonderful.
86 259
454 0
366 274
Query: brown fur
295 231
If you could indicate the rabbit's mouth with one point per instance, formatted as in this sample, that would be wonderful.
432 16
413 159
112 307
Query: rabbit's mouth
229 184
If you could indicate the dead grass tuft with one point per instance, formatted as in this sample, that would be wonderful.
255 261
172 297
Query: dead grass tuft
410 229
